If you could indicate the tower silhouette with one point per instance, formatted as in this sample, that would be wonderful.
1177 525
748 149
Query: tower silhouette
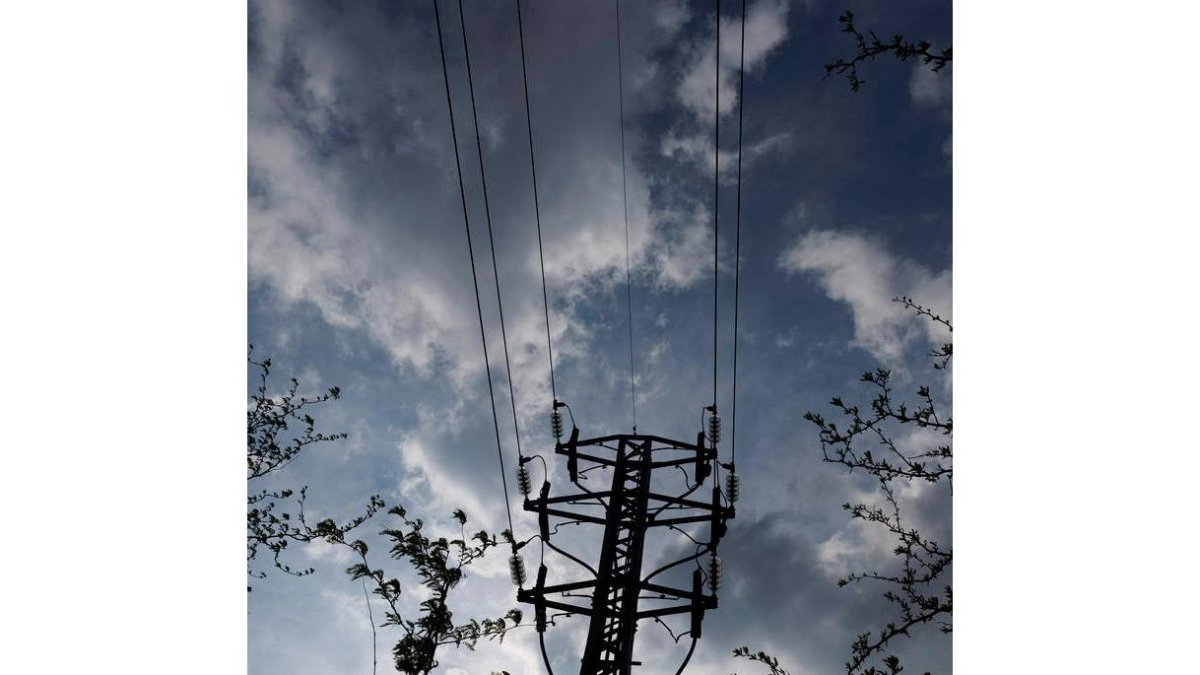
628 511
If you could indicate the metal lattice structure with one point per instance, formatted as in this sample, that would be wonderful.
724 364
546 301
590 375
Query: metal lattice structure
630 510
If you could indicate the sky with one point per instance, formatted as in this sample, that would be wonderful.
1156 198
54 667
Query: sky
359 277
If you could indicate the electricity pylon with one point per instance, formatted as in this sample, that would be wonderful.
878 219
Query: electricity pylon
628 511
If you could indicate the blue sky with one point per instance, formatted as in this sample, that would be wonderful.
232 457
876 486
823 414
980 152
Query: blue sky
126 172
359 278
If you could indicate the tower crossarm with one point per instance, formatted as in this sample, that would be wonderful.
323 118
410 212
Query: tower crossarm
628 510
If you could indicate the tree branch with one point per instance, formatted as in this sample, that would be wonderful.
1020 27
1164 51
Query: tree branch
922 561
898 47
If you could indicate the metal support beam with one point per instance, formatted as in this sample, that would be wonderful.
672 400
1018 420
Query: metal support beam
630 512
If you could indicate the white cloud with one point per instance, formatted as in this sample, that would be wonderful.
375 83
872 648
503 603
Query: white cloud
680 259
311 242
933 91
766 29
656 351
670 17
801 216
306 242
855 548
591 246
445 483
697 149
862 273
929 89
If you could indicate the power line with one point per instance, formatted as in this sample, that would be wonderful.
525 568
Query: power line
737 247
471 252
487 210
619 583
716 191
625 202
536 209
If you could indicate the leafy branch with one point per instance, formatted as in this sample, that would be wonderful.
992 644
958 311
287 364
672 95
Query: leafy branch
274 531
761 657
898 46
941 356
439 563
277 518
270 523
865 442
268 418
843 445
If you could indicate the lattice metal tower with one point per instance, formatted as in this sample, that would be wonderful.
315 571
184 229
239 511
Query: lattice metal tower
628 511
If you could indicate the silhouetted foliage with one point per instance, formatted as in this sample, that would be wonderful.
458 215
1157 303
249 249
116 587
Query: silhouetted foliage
439 563
272 521
762 657
898 47
866 442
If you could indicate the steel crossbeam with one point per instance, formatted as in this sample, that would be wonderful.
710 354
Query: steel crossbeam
631 509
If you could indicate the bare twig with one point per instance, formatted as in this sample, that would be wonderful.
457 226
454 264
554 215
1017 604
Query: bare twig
898 47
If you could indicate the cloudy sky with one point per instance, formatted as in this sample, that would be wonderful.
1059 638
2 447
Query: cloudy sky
359 277
125 168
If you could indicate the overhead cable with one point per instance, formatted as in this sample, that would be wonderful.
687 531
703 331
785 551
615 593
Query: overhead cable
716 190
737 247
487 211
536 209
625 202
471 252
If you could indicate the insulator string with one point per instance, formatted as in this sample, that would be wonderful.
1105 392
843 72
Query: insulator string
536 209
462 191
